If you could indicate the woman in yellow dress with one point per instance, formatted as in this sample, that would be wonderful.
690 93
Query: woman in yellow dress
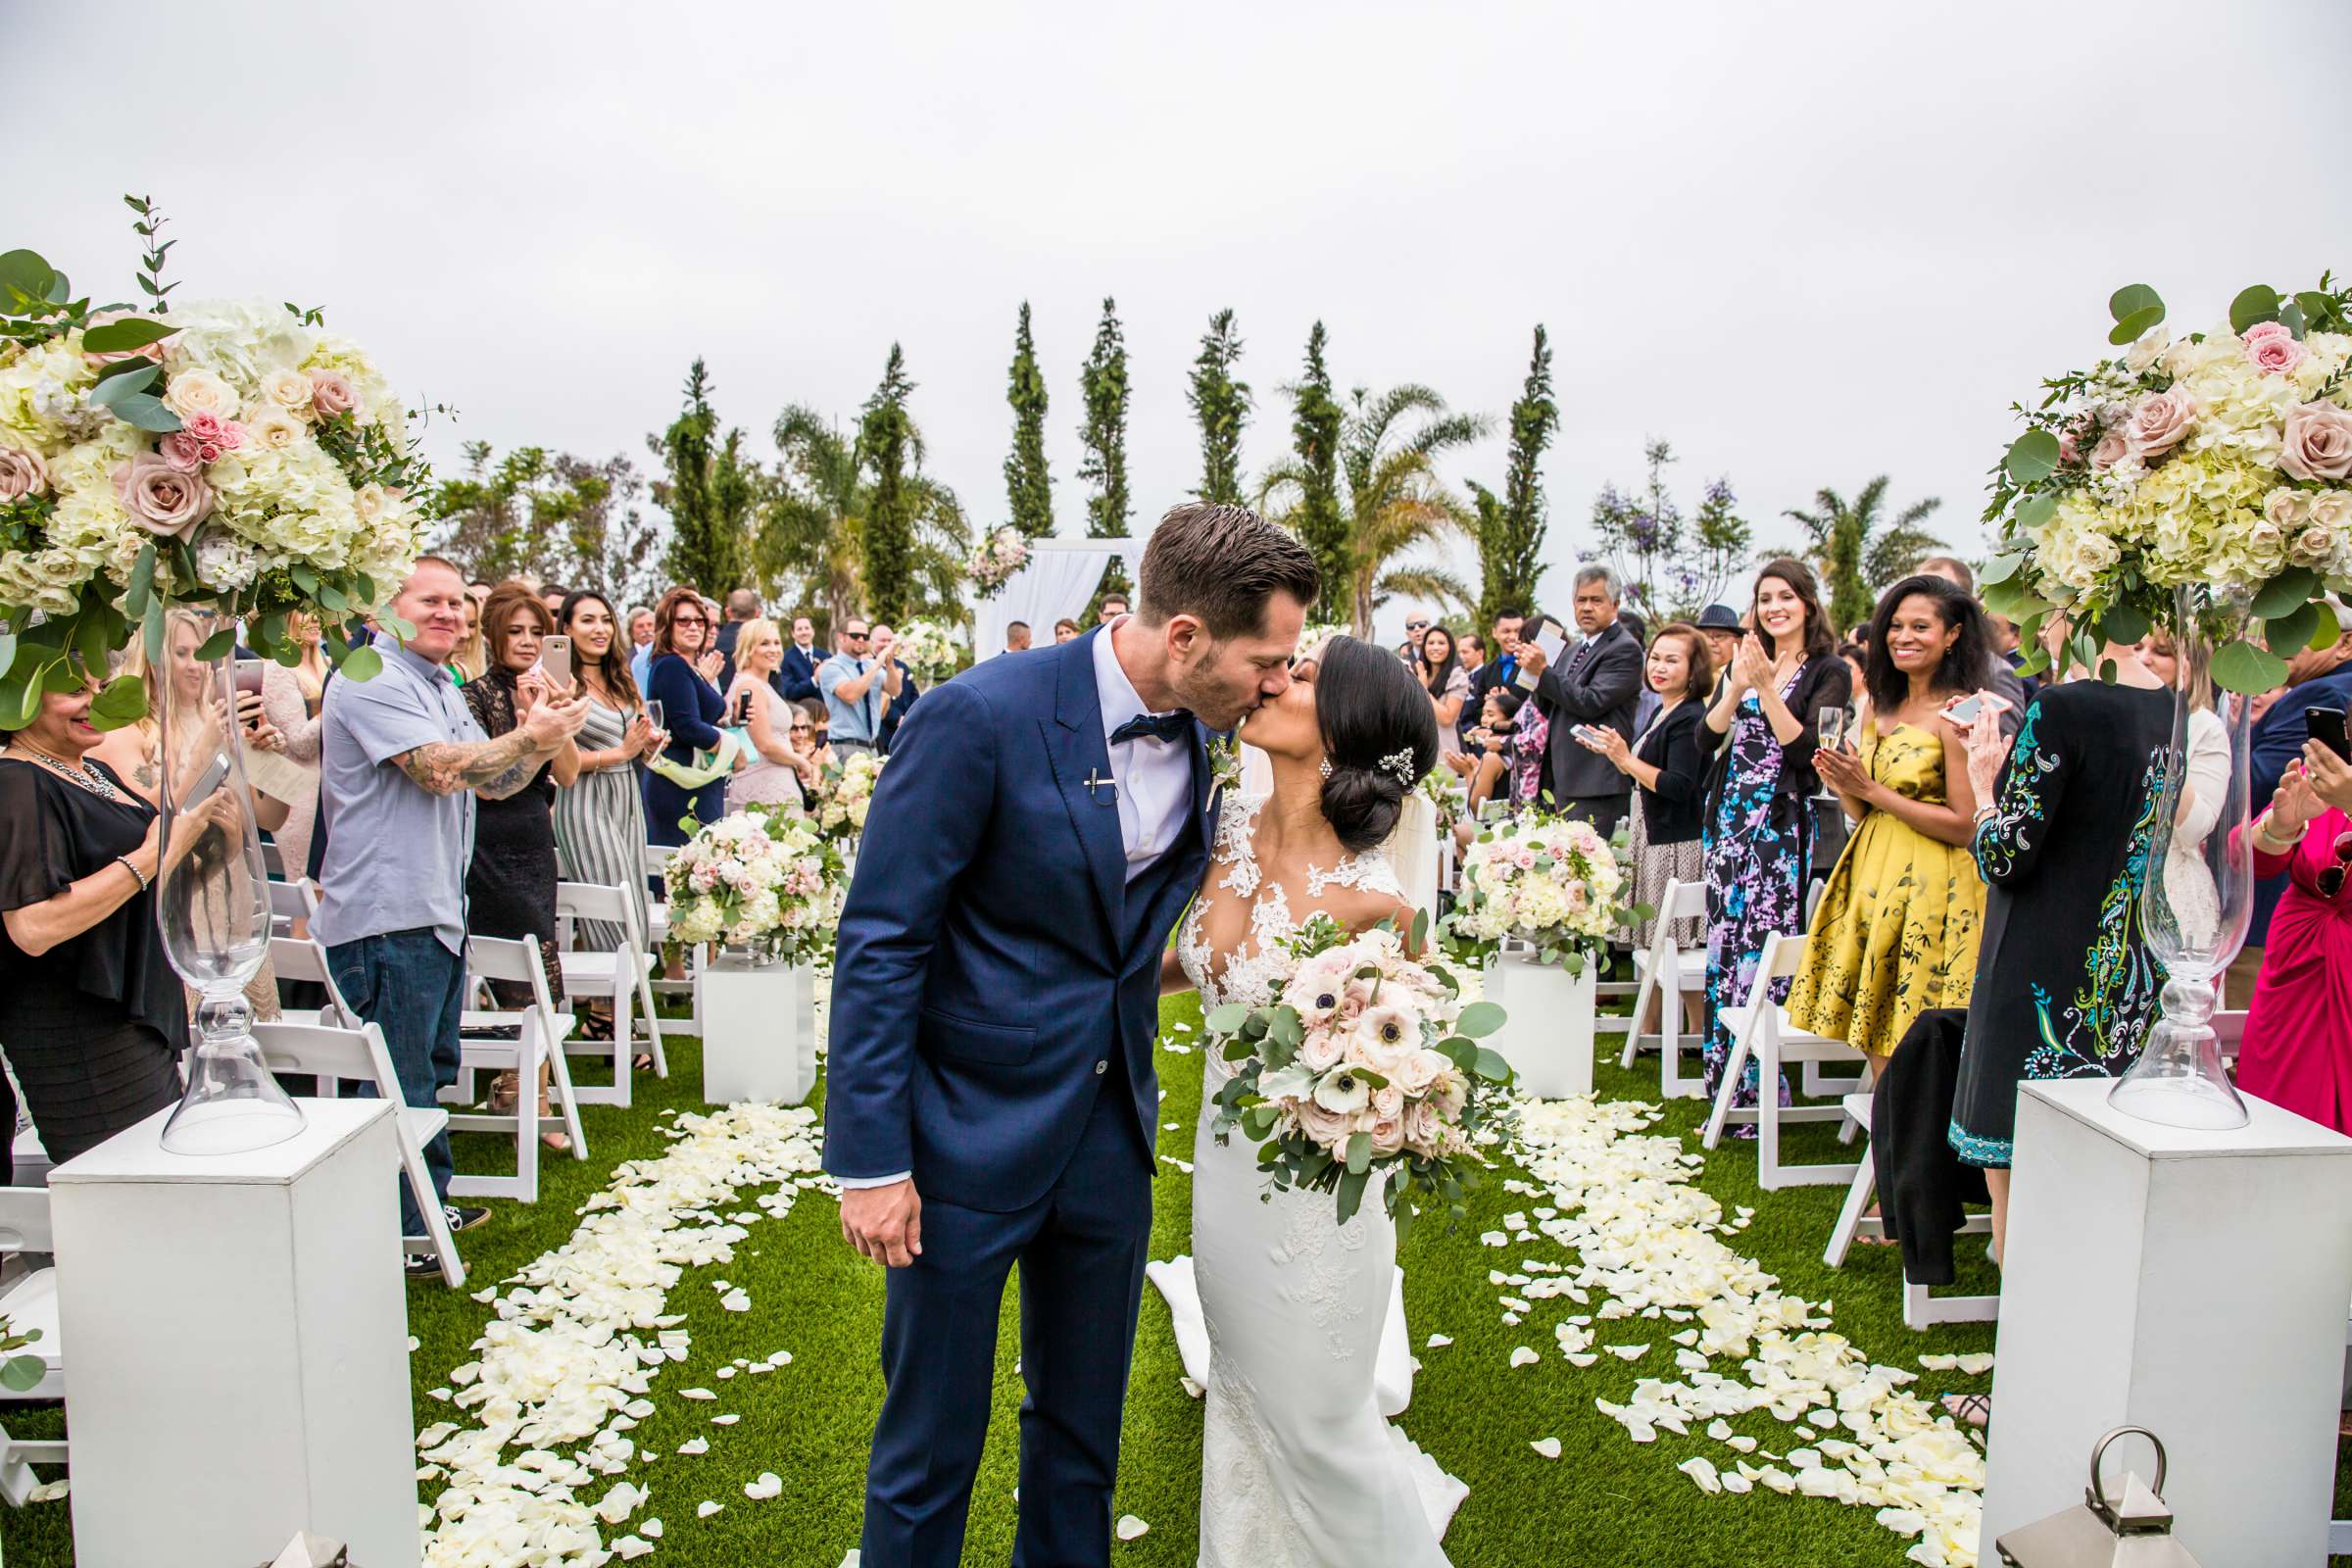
1896 931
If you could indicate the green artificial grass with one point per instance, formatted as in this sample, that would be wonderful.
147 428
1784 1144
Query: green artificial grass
1606 1500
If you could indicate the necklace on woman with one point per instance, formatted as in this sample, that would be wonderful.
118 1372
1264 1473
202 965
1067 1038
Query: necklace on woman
88 777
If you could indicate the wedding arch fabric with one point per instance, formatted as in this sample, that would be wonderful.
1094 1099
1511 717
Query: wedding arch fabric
1058 582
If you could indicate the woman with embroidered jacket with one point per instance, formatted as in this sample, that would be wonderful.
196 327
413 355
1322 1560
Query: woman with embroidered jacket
2066 986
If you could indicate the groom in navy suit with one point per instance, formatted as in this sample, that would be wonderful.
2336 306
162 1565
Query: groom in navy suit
989 1098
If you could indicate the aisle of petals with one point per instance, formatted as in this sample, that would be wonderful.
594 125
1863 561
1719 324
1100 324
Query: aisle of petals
1652 1248
581 1334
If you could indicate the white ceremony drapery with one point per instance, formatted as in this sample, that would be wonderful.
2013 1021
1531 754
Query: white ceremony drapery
1057 581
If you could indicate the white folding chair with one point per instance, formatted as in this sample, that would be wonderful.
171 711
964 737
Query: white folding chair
1664 969
302 958
1760 1029
656 861
2230 1033
332 1053
1920 1311
273 861
622 975
539 1031
291 902
30 1305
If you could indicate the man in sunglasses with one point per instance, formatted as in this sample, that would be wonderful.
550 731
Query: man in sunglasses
1415 628
859 683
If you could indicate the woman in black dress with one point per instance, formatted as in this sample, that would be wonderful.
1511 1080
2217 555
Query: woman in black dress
92 1016
2066 986
510 886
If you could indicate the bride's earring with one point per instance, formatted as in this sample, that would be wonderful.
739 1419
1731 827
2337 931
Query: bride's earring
1324 768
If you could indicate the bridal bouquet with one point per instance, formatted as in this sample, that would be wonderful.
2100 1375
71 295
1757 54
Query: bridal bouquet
1551 882
930 650
1364 1073
846 793
234 455
760 877
999 555
2222 458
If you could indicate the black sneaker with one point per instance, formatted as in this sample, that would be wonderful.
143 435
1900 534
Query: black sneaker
425 1268
464 1219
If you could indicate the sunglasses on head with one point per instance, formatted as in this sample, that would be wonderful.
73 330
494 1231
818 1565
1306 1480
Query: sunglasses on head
2331 878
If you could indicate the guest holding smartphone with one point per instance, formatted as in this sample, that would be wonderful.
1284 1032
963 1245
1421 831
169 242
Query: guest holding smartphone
779 773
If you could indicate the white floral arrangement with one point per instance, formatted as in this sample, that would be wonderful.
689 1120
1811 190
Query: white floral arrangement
1363 1074
1549 881
230 454
846 793
998 557
758 877
1442 788
932 650
2222 458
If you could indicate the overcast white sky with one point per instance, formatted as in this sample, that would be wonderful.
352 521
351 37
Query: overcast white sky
1807 243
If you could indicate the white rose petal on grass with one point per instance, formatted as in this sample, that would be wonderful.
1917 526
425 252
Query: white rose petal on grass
1192 1390
1626 1353
1743 1444
1523 1356
650 1530
696 1393
769 1485
50 1491
622 1501
1582 1357
1703 1473
629 1548
704 1510
1129 1528
780 1358
736 1301
1439 1341
724 1420
1494 1239
1548 1448
1823 1418
695 1446
1736 1483
436 1393
1719 1430
1976 1363
414 1345
1939 1363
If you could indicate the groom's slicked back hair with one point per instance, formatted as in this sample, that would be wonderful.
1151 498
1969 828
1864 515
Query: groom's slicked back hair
1221 565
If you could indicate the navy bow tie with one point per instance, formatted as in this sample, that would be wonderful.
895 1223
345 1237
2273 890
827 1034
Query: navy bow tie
1155 727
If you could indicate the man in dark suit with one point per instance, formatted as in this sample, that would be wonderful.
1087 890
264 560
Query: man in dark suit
901 704
2315 678
1502 661
1598 685
743 605
795 679
990 1099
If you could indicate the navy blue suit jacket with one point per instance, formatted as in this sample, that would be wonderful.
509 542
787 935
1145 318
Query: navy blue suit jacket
795 677
991 956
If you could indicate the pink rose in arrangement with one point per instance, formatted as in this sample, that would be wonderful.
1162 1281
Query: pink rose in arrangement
1329 1128
1387 1134
182 451
2272 348
22 474
1388 1101
213 435
2070 452
332 394
2319 442
160 497
153 352
1322 1049
2159 423
2111 450
1423 1130
1419 1070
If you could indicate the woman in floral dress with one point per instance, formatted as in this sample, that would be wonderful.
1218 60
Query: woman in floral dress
1759 831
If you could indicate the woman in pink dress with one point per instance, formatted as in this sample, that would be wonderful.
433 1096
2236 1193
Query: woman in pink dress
2297 1051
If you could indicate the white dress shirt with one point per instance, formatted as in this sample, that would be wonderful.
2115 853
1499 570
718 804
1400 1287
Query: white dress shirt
1155 776
1154 791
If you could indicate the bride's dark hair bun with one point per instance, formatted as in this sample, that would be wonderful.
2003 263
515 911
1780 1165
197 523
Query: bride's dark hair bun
1380 735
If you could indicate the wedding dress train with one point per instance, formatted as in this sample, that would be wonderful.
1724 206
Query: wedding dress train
1300 1467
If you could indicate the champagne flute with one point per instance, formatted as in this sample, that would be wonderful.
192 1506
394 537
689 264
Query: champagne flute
652 711
1830 731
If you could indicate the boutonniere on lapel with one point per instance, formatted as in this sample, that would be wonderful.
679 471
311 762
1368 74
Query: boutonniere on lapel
1225 761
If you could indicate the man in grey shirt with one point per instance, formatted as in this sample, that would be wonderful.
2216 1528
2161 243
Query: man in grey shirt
400 759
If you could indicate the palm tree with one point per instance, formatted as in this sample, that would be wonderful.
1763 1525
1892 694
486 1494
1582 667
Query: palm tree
812 539
1395 500
1857 552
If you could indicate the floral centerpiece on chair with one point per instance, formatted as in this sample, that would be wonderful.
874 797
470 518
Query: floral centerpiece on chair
1551 882
761 878
1364 1073
845 794
998 558
233 455
932 650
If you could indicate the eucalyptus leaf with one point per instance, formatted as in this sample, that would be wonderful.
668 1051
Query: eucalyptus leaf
124 336
2032 457
1479 1019
142 583
125 375
20 1373
7 652
2246 668
19 697
2291 316
2131 299
2257 304
25 273
1359 1153
2130 329
2292 631
2318 309
1224 1020
146 411
2282 593
121 701
2122 624
217 645
1491 1068
1351 1192
361 662
2000 569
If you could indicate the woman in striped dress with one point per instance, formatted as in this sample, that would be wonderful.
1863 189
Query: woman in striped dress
599 822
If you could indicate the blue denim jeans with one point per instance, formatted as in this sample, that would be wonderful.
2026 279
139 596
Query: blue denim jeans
413 989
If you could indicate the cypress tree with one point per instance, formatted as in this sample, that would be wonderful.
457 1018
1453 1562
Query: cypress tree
1221 405
710 494
1316 422
1028 486
1511 535
883 440
1104 385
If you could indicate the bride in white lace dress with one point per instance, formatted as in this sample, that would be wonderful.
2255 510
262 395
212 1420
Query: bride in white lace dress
1301 1468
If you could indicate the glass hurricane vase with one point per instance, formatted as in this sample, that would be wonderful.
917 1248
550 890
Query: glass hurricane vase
2198 901
213 900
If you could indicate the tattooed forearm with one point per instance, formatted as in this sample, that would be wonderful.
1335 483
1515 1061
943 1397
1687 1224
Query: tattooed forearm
491 766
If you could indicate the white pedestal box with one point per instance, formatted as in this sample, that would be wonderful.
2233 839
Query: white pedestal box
758 1031
239 1333
2190 1282
1547 1035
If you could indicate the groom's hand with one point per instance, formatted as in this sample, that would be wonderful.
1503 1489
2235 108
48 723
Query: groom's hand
884 1223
